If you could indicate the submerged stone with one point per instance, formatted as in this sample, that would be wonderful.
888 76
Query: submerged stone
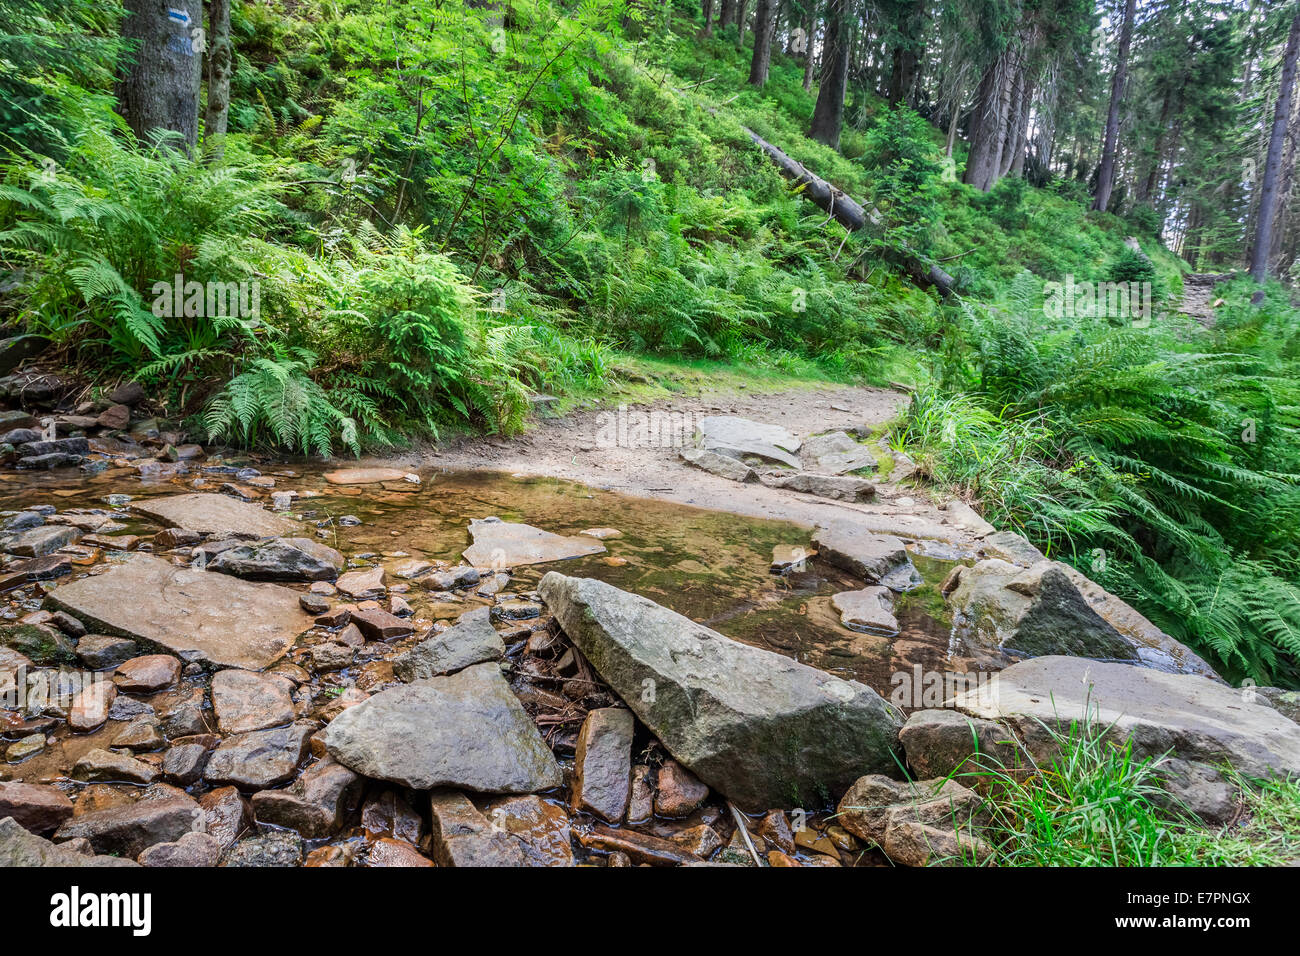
502 544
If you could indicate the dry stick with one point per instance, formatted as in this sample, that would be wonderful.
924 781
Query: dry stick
744 832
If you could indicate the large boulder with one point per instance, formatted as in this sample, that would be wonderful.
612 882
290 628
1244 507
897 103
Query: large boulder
1050 608
836 453
760 728
466 730
133 827
1197 718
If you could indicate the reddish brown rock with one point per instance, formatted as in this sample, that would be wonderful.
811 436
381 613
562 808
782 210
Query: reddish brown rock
39 809
145 675
679 791
389 852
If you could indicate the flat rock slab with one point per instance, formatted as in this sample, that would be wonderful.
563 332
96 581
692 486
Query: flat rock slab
870 610
364 476
835 453
467 730
1198 718
211 618
880 558
740 436
219 515
762 729
502 544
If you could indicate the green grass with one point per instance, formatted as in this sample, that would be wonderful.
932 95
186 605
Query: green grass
1095 803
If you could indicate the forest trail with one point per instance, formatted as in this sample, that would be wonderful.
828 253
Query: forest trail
570 447
1199 297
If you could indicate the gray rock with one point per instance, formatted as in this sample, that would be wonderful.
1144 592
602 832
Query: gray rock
472 640
880 558
219 515
105 766
502 544
280 559
870 610
1011 547
260 759
1285 702
35 542
100 651
735 436
131 828
602 769
762 729
1198 789
40 643
278 849
719 464
464 730
940 742
461 576
1049 608
72 447
245 701
836 487
918 823
1197 718
835 453
210 618
195 849
18 847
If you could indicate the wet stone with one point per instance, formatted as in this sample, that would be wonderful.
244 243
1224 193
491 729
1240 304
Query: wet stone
678 791
245 701
194 849
463 836
148 674
278 849
106 766
260 759
387 852
472 640
37 808
101 651
133 827
501 544
603 763
315 804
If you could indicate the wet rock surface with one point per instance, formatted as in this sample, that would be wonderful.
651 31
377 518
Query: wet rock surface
462 730
762 729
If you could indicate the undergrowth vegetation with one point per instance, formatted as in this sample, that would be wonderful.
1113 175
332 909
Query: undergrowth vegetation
1096 803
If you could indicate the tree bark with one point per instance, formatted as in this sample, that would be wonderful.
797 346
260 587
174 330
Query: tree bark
220 58
764 30
810 60
848 212
988 124
742 15
708 18
1106 172
828 114
160 92
726 13
1272 164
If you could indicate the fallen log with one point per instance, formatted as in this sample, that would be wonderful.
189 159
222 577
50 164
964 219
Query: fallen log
847 211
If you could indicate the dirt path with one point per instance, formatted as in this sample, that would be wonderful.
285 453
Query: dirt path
574 447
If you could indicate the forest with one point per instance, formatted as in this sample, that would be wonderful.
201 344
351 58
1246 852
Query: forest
1071 228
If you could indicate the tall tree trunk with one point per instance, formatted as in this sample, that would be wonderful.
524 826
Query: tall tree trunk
828 114
220 56
764 30
1273 163
726 14
1106 173
810 59
160 92
988 123
1284 192
742 14
708 18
